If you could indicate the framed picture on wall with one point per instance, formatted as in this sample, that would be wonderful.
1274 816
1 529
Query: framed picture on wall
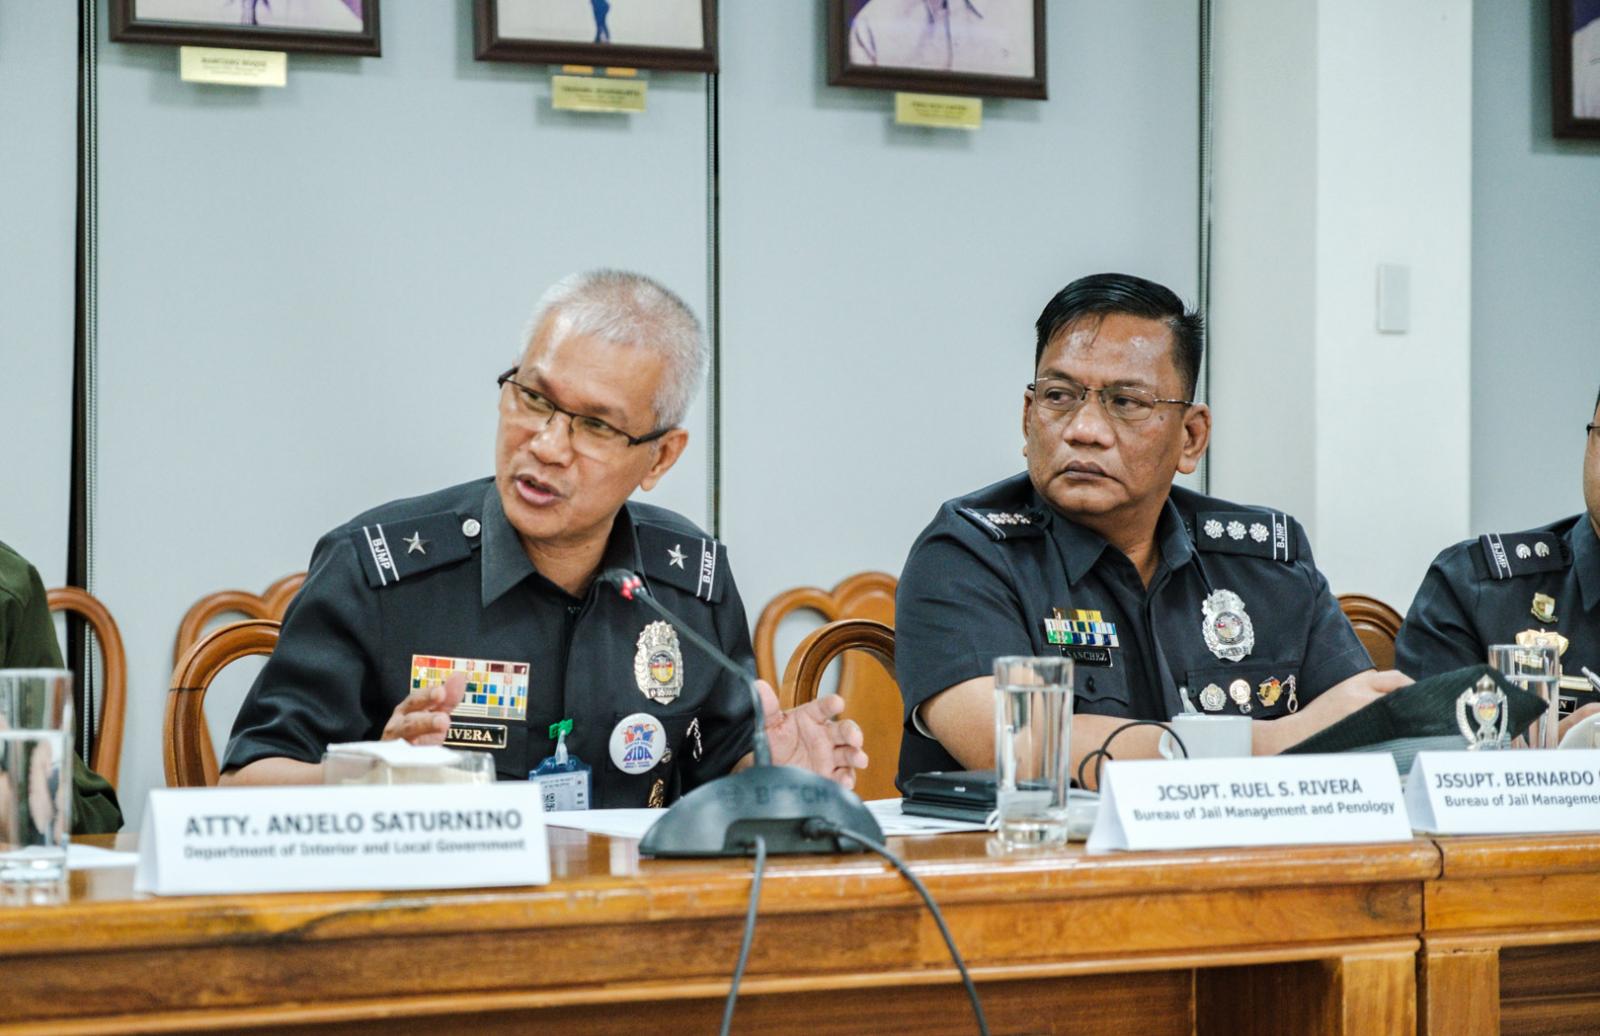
990 48
674 35
328 26
1575 67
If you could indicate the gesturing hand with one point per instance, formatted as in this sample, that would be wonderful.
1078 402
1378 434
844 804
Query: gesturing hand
811 738
424 717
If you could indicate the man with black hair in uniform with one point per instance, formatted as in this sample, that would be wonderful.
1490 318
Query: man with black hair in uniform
1488 590
474 616
1165 599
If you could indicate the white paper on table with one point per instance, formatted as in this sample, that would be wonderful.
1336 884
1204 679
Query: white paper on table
92 857
617 823
633 823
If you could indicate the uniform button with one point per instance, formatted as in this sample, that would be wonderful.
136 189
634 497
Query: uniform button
470 527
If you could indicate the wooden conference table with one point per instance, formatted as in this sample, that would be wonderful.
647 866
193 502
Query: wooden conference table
1435 936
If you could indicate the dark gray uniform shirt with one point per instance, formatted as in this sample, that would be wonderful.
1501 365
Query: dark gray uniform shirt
1481 592
418 583
993 566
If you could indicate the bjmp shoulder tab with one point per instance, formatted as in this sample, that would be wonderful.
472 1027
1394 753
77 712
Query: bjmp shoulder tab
1505 556
694 564
394 550
1005 525
1256 534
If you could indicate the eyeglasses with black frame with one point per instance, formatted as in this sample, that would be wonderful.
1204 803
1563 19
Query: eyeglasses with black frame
591 436
1128 405
1589 429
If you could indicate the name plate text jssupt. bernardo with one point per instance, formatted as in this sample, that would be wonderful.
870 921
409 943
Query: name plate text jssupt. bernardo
1275 800
326 838
1509 792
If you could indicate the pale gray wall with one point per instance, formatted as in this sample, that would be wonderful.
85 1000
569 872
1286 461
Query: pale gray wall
38 157
304 293
1535 280
881 282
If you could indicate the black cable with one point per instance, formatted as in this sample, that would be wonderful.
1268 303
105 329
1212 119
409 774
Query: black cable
1103 752
749 934
826 827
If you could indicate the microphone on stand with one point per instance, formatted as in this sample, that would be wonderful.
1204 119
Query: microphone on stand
793 810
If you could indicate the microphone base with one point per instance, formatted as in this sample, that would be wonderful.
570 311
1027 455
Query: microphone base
776 802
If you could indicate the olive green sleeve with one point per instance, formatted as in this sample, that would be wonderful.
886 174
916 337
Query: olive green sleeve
28 641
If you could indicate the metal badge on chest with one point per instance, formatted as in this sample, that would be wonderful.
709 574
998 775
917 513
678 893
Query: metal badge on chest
1226 626
658 663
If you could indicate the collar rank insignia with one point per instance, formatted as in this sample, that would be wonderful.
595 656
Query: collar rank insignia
389 553
1084 629
1257 534
696 565
1506 556
1005 525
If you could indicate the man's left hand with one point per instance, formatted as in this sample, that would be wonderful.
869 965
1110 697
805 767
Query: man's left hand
811 738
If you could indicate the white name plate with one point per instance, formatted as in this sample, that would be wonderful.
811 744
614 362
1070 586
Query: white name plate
233 67
1271 800
1506 792
332 838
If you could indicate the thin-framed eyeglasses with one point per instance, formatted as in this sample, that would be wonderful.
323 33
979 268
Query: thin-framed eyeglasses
590 435
1122 403
1589 429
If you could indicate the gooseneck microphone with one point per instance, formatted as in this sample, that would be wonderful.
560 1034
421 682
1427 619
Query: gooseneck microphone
632 588
790 809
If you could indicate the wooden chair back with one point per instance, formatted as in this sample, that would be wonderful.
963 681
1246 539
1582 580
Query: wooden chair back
865 595
874 704
186 750
271 603
1375 623
106 756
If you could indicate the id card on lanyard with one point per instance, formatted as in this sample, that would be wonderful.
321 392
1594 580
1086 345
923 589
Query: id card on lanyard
564 779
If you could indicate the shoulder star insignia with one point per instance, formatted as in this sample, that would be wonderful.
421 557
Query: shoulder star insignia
415 544
676 555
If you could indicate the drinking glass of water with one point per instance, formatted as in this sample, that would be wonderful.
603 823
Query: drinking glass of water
1032 731
35 774
1536 668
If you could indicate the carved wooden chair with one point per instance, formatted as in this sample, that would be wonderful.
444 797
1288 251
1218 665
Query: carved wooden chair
271 603
187 753
106 756
865 595
1375 623
871 698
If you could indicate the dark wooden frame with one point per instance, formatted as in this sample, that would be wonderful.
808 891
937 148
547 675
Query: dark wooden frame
842 73
125 28
489 45
1564 123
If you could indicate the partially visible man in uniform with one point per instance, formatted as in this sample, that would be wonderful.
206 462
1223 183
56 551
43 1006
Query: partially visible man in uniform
1166 600
475 616
1488 590
28 641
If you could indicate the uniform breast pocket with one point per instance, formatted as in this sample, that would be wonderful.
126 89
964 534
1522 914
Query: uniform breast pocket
1260 690
1101 692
